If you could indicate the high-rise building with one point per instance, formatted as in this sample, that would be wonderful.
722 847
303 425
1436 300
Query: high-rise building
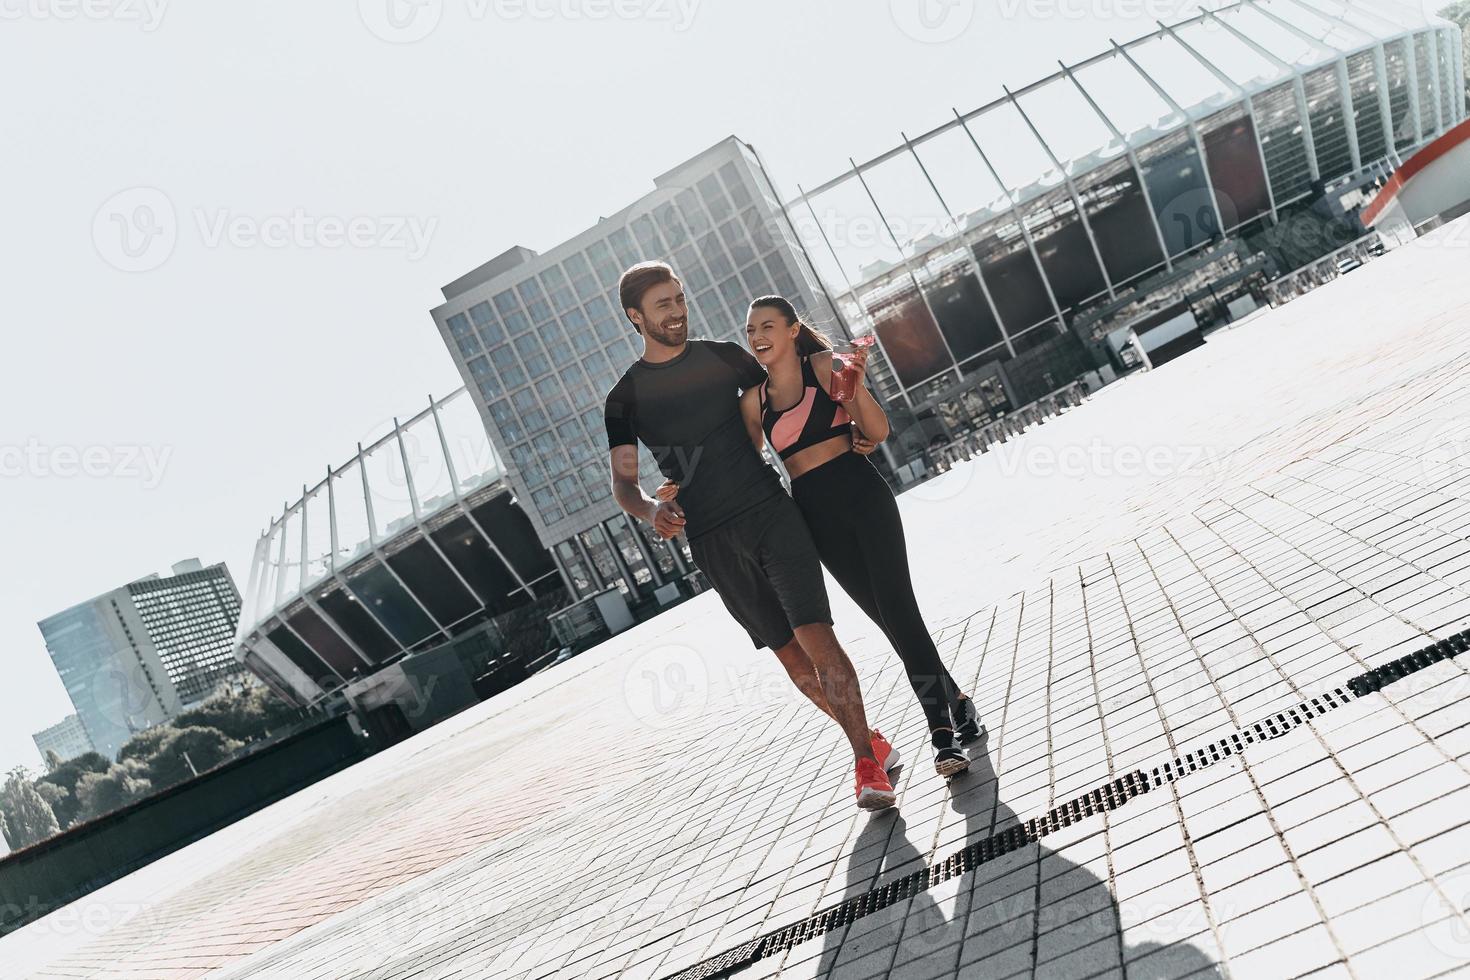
67 738
540 340
138 655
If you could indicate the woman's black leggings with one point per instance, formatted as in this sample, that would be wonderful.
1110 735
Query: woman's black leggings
855 524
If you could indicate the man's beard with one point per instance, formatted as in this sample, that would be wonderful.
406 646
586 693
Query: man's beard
669 333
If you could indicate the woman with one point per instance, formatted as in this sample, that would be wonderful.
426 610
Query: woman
848 506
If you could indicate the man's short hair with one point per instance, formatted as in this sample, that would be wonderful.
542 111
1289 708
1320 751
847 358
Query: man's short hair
638 280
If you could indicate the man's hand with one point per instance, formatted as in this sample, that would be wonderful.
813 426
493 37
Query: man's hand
667 490
668 520
861 444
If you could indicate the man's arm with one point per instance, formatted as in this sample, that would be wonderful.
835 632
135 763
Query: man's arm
667 517
750 412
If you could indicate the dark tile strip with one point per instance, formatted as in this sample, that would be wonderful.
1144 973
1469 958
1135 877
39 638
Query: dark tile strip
1108 796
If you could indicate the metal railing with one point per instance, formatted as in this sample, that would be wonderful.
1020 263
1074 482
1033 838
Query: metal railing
943 458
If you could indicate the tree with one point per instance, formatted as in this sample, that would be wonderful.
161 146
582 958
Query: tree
5 830
65 777
27 813
53 759
102 792
53 795
206 748
245 713
145 745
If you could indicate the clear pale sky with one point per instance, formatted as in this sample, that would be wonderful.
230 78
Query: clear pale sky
243 366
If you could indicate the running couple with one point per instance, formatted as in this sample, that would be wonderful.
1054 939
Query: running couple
761 549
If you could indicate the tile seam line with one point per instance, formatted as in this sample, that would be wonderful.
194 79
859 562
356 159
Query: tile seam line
1106 797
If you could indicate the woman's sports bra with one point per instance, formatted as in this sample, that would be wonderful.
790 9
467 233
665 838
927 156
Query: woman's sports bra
816 418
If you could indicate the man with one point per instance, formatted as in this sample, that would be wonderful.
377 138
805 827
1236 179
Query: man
682 401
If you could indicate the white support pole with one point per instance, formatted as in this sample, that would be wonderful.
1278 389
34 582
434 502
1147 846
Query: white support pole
1298 87
1020 223
1250 110
1153 215
907 266
1071 192
960 238
1199 144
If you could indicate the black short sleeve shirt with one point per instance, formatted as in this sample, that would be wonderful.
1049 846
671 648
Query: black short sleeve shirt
687 412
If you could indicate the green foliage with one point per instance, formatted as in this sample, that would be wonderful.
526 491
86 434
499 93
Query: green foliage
102 792
85 787
144 745
206 748
53 795
246 714
64 778
28 816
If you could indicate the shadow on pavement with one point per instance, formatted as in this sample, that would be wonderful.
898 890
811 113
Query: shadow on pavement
995 929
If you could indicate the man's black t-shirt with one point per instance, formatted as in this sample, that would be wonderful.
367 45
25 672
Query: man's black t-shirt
687 412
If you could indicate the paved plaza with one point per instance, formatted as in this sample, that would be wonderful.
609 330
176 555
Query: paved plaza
1193 564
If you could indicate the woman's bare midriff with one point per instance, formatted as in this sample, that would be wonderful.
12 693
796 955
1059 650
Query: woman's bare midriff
813 456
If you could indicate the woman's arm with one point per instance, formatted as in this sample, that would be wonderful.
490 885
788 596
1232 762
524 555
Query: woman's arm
866 413
750 411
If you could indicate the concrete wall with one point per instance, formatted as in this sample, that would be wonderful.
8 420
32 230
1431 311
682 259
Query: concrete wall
48 875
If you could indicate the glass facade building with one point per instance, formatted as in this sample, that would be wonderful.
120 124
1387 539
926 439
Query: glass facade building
540 340
412 541
140 654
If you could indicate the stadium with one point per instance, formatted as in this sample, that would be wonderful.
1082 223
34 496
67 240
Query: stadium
1164 180
412 543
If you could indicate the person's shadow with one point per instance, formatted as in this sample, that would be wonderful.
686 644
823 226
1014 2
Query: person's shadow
997 929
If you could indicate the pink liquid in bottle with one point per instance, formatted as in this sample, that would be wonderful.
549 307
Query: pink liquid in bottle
845 369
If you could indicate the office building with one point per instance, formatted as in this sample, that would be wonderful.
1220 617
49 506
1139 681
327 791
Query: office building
67 738
140 654
540 340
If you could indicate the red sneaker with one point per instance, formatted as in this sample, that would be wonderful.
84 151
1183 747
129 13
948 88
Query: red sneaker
884 752
874 791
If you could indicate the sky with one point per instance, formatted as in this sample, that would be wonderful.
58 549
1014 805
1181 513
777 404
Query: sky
303 179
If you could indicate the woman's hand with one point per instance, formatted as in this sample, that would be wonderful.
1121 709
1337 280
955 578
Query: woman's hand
861 444
667 490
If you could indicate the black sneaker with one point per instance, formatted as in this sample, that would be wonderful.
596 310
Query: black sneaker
949 758
967 727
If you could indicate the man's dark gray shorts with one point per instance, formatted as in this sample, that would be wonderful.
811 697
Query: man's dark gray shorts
765 568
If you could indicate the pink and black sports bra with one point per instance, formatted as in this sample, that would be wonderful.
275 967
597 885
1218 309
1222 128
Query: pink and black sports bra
814 419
